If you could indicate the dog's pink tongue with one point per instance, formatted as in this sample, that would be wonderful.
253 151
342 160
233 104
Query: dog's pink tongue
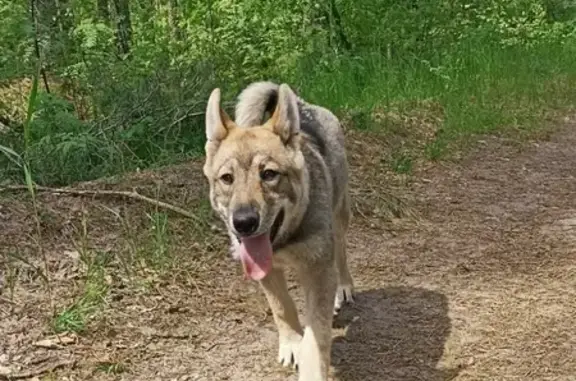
256 256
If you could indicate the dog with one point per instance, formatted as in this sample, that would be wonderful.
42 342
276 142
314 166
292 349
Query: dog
280 185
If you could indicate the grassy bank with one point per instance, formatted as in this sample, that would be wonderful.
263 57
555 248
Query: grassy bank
116 106
479 88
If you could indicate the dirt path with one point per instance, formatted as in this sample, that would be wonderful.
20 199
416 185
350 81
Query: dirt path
483 287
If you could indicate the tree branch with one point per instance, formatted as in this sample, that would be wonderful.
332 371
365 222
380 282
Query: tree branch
125 194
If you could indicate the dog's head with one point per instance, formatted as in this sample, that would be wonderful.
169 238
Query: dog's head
256 174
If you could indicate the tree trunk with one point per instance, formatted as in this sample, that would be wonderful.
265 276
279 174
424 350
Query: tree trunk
34 17
123 25
103 11
174 20
338 28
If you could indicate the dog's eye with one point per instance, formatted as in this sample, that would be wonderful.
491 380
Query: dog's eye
227 178
268 175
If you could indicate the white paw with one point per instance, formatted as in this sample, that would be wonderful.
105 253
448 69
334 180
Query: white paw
310 367
289 349
344 294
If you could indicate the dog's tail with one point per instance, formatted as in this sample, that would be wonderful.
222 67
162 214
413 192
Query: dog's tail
254 102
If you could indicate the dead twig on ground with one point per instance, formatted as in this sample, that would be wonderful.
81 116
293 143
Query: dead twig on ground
98 192
35 372
7 301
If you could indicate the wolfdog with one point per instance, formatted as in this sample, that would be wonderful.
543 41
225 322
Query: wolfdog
281 187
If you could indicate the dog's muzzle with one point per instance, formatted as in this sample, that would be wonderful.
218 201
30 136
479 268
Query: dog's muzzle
246 220
273 230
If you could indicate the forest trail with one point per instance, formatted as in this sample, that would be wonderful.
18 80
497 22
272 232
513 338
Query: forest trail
481 286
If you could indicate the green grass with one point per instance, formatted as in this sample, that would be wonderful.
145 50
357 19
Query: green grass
401 163
72 319
112 367
481 88
156 253
76 316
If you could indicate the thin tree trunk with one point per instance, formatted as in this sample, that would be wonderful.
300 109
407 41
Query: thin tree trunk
34 16
103 11
174 20
59 16
335 15
123 25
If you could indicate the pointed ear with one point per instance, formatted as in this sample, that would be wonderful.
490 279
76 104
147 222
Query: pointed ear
285 121
218 123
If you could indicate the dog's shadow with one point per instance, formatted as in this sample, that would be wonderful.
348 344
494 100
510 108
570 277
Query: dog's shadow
392 334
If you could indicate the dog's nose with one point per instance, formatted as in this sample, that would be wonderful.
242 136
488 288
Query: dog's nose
246 220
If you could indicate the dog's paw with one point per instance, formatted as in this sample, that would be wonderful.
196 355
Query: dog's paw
311 366
288 349
344 294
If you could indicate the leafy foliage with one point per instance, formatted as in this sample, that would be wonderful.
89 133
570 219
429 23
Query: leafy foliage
123 83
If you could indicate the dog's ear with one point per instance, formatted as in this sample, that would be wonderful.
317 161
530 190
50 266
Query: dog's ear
218 123
285 120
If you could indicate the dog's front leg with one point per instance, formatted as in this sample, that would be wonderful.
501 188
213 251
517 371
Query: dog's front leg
319 284
285 316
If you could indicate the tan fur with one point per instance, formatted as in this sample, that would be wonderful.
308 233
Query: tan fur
305 144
